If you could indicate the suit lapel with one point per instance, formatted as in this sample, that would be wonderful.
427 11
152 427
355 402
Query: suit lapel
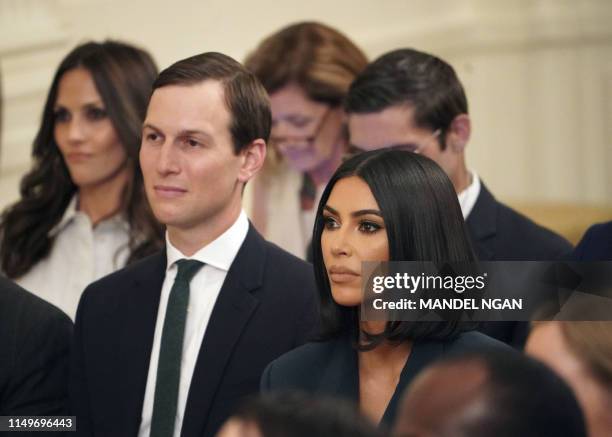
341 375
232 310
138 315
423 353
482 223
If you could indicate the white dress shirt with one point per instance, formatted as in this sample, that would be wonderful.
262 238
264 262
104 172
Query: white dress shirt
468 197
80 255
204 289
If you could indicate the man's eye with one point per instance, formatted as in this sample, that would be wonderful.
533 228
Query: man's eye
151 137
193 143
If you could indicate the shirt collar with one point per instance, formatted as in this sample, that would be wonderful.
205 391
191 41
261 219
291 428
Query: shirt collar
220 252
69 215
468 197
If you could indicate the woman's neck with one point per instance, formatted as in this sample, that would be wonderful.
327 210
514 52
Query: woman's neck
380 370
101 201
386 355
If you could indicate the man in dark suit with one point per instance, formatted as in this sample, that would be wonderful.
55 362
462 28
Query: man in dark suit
169 345
35 341
596 244
414 101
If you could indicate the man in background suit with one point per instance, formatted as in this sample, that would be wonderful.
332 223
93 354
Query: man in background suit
169 346
595 245
414 101
35 341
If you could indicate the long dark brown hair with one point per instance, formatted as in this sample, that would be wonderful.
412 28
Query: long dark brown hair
123 76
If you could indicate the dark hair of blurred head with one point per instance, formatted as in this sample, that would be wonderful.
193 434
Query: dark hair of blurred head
295 414
518 396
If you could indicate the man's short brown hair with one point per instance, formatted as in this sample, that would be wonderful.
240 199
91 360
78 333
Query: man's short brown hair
245 97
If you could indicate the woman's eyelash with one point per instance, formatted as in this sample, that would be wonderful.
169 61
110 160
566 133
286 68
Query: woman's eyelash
370 227
329 221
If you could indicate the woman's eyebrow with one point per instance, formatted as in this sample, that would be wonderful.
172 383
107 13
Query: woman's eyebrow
366 212
355 213
330 209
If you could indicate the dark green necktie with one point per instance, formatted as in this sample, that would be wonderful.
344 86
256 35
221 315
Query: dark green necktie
170 351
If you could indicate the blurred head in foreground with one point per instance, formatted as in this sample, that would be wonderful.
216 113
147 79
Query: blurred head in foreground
581 353
501 393
297 415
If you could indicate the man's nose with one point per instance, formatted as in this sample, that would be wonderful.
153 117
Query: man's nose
167 161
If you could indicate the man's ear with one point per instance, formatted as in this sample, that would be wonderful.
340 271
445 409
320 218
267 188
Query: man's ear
458 134
253 157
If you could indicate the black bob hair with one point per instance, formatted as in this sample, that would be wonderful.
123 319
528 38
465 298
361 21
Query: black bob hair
423 222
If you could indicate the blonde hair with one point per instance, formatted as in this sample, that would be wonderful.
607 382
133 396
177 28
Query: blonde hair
318 58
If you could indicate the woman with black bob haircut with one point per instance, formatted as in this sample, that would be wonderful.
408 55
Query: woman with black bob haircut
83 211
384 205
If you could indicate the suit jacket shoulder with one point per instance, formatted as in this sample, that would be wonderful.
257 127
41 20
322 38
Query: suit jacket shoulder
114 284
331 367
303 367
596 244
35 349
289 275
501 233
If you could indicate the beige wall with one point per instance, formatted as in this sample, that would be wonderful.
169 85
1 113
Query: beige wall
538 73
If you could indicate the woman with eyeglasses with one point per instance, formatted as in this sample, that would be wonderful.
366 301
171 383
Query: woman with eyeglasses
307 69
83 211
384 205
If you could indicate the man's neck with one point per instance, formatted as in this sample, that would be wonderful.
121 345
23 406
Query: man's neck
189 239
461 179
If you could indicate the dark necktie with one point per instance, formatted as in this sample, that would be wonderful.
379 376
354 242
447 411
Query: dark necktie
170 351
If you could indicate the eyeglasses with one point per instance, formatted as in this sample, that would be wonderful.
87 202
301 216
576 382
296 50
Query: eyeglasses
300 142
353 150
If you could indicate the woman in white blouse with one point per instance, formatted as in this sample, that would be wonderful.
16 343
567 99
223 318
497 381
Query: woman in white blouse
83 212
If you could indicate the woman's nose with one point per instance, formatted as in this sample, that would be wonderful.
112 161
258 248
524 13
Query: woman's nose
76 131
341 244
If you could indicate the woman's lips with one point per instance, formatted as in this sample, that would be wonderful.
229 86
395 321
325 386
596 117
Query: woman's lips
169 191
78 156
342 275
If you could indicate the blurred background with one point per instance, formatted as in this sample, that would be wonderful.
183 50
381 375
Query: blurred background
538 75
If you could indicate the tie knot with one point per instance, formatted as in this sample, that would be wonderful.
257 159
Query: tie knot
187 268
